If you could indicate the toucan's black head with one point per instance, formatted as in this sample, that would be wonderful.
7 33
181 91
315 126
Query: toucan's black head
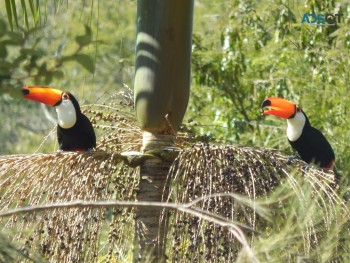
69 96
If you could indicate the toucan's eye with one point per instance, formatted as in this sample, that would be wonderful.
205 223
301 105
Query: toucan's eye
65 96
298 109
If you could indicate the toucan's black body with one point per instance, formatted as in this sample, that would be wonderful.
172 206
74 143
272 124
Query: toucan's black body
309 142
74 130
313 147
79 137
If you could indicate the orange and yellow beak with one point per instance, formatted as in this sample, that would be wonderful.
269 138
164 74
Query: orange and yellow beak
278 107
42 94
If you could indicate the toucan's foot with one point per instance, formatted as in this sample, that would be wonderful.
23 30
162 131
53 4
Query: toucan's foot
292 158
59 150
89 150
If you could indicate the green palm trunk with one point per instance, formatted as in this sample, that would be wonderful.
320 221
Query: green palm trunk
162 80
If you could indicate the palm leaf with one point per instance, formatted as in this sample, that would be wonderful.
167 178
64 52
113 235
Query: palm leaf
270 188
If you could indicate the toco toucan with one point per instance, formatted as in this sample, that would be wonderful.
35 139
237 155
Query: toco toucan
74 130
309 142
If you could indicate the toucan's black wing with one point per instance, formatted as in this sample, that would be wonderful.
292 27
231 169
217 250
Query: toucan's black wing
313 146
88 132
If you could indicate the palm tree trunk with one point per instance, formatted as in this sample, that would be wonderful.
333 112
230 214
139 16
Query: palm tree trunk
162 81
151 223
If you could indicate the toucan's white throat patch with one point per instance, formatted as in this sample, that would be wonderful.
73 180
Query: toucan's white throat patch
295 126
66 114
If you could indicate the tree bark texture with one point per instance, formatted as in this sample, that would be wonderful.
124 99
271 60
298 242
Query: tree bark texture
151 223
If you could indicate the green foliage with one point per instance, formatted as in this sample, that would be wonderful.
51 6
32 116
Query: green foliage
258 49
73 49
83 60
22 58
304 225
85 39
31 12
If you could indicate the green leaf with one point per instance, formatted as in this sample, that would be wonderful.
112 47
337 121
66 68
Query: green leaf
32 8
35 11
3 51
3 28
16 38
86 61
86 39
29 51
48 79
58 74
25 13
9 12
5 67
14 11
43 68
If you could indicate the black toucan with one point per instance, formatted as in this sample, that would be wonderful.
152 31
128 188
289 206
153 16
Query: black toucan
74 130
309 142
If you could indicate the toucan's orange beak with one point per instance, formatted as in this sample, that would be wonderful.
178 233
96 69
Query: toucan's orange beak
278 107
45 95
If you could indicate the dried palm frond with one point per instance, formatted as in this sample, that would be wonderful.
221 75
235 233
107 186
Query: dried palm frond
29 180
204 170
115 123
9 252
200 171
38 179
75 234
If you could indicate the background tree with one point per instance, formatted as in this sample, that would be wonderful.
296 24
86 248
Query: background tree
261 52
